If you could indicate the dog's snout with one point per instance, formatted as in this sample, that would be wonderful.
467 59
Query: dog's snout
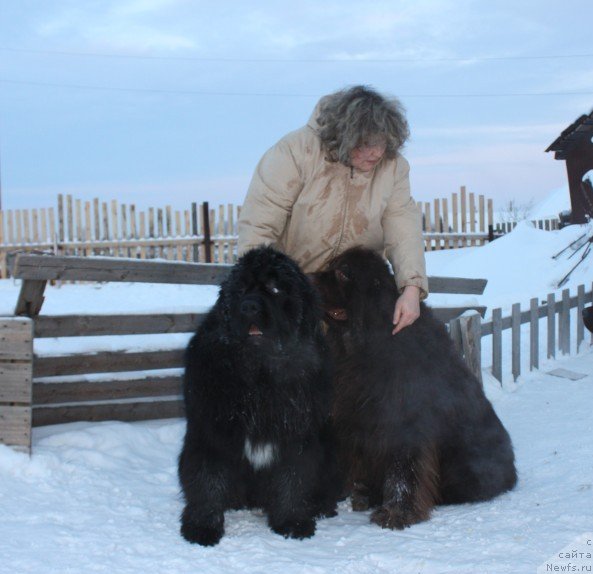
250 307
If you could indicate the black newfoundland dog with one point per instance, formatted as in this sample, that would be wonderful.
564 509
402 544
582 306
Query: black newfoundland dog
257 395
413 424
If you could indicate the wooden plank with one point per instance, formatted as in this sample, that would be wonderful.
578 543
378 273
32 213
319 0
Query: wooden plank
106 362
471 338
456 285
97 218
446 314
551 323
446 229
195 231
143 251
52 229
93 325
497 344
564 323
126 411
19 226
87 226
26 227
178 233
10 227
455 334
437 222
85 391
30 297
463 201
516 340
580 307
61 231
16 339
16 380
482 215
79 229
106 227
41 267
472 216
534 335
15 427
70 218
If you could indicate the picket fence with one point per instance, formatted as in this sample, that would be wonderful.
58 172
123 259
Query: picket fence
558 331
202 233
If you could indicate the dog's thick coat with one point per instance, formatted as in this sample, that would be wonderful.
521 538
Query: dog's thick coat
257 393
413 424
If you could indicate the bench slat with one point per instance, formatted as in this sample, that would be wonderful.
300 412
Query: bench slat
85 391
70 268
106 362
91 325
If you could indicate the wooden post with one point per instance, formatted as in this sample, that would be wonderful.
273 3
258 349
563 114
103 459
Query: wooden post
472 216
580 307
497 344
194 231
463 201
564 323
61 234
516 340
470 324
551 303
16 381
207 240
533 334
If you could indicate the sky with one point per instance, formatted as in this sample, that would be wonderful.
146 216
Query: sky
158 102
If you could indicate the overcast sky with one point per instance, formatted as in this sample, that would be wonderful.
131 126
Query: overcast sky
173 101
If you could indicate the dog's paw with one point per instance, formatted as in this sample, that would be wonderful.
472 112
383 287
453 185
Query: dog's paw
327 510
360 502
296 529
394 517
203 535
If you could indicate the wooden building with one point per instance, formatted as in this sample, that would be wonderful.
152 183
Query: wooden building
574 145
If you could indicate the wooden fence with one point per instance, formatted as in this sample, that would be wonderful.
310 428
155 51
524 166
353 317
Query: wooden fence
202 233
557 330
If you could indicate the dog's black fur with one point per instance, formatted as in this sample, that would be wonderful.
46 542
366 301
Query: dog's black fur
413 424
588 318
257 395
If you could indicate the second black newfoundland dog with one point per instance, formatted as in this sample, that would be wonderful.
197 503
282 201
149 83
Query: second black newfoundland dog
413 424
257 393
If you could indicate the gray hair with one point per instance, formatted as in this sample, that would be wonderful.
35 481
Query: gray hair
358 115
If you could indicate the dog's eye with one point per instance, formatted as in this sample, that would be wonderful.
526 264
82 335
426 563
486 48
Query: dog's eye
273 289
341 276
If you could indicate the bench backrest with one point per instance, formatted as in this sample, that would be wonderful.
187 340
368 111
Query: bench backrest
36 270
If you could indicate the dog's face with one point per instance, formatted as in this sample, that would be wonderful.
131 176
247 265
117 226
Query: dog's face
357 290
267 300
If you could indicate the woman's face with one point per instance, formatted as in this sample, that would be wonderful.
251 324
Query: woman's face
367 155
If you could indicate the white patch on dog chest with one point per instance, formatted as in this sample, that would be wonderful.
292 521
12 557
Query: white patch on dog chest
260 455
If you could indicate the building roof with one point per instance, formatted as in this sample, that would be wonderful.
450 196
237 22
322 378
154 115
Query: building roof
575 133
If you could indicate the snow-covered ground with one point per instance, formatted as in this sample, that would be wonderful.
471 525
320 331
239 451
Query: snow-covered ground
104 497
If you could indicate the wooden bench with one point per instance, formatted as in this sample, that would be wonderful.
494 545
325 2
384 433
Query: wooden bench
41 390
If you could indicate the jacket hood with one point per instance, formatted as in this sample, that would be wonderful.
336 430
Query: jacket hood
312 123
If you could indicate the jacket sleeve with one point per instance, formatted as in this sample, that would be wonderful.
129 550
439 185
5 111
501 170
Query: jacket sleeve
274 188
402 230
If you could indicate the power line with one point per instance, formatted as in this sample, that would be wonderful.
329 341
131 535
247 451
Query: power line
294 60
278 95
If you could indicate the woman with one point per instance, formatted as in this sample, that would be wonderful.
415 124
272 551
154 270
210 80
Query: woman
338 182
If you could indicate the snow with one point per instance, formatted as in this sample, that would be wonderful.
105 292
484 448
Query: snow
554 203
104 497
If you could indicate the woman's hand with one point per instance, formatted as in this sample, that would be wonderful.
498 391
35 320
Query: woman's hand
407 308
